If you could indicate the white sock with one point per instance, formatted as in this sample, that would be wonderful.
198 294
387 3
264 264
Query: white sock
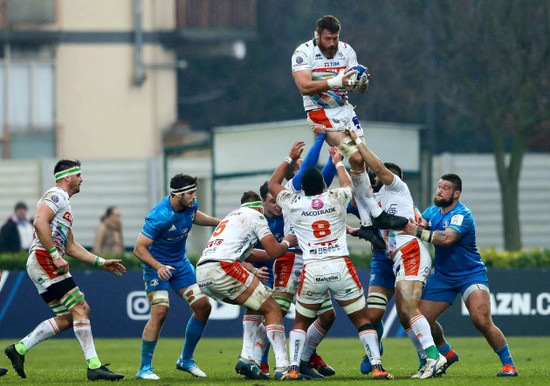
416 343
297 340
369 340
364 198
251 323
315 335
261 344
43 331
83 332
422 331
276 336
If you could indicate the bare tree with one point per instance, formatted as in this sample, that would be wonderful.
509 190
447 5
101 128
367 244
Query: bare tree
492 61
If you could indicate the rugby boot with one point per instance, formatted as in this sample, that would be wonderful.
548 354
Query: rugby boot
147 373
451 357
292 374
103 373
307 372
389 221
249 369
380 373
17 360
190 366
3 371
264 366
432 366
372 234
319 364
508 371
366 367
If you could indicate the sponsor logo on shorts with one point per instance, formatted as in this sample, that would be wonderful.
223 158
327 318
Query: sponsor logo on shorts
327 278
206 283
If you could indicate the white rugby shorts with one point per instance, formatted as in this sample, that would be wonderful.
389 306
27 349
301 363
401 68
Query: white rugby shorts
412 262
222 280
337 274
42 271
286 273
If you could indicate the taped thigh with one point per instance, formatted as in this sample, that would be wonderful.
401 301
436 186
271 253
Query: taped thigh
377 300
193 293
474 287
312 314
357 305
258 297
159 298
72 299
326 305
59 309
283 302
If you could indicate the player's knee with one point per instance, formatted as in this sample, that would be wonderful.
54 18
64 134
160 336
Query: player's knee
482 322
202 308
356 161
327 318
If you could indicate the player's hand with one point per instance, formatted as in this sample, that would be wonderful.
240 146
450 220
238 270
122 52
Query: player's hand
335 154
262 274
61 265
296 150
410 228
351 231
347 83
164 272
114 266
319 129
292 239
353 133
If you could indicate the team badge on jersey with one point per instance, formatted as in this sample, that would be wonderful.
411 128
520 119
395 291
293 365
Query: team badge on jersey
299 60
457 219
317 204
55 199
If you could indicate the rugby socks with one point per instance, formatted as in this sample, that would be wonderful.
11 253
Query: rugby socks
83 332
369 340
447 351
364 197
422 331
297 340
251 324
505 356
315 334
416 343
43 331
193 333
147 352
261 345
276 336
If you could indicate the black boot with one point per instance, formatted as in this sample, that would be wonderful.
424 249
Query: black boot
372 234
389 221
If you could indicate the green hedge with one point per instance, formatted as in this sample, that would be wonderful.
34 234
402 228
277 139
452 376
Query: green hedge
528 258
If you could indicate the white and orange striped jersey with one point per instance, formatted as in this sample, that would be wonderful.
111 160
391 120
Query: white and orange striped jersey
57 200
236 235
396 199
319 222
308 56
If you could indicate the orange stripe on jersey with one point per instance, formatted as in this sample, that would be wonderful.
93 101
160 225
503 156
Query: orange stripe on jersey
235 270
411 258
319 116
353 272
282 269
46 263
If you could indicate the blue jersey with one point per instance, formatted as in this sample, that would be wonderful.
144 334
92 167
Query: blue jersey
277 227
169 230
462 258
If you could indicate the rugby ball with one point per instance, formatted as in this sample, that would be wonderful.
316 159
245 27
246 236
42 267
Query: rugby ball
361 74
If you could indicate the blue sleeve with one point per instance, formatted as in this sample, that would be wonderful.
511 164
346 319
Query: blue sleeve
329 171
310 161
152 228
353 210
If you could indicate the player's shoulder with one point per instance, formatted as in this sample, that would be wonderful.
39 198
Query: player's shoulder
56 195
462 210
160 212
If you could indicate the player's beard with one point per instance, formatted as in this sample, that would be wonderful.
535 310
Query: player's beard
329 52
442 203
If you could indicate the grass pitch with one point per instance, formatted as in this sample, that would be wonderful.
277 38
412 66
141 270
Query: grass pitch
60 361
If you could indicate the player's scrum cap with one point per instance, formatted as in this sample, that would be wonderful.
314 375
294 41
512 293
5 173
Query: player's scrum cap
67 172
184 189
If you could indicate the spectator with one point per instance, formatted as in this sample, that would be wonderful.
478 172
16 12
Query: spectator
108 235
17 232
